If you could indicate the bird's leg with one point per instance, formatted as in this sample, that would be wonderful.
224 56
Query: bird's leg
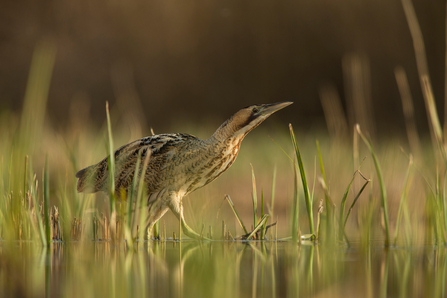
177 208
154 217
190 232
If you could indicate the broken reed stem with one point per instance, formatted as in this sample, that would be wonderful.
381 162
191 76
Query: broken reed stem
258 227
227 197
353 203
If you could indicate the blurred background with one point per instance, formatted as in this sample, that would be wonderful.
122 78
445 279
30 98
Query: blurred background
167 62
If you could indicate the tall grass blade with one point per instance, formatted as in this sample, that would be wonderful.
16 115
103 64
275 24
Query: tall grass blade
342 209
37 211
330 206
46 202
262 215
254 197
111 163
25 176
129 222
353 203
157 230
422 66
296 207
403 200
439 214
133 192
433 115
36 97
381 184
272 201
307 196
141 205
444 202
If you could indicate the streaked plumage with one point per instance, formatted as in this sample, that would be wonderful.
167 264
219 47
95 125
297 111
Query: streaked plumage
178 163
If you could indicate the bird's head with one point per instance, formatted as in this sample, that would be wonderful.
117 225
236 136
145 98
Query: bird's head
248 118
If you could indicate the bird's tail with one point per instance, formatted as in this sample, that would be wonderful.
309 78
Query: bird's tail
91 179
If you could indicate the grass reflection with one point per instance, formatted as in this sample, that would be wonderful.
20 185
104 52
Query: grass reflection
218 269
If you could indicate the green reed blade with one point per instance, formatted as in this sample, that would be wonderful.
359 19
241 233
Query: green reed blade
129 222
46 202
353 203
307 197
381 184
342 209
132 192
258 226
262 215
440 206
25 176
157 229
444 201
296 207
403 200
141 206
111 162
272 202
254 197
38 215
330 206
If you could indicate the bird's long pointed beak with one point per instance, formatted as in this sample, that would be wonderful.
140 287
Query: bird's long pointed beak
273 107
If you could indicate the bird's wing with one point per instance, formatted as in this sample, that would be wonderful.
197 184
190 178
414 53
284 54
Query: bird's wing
160 147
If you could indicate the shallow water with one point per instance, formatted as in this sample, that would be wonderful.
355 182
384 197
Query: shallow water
219 269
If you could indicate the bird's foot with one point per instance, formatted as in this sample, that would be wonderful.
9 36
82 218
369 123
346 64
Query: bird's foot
190 232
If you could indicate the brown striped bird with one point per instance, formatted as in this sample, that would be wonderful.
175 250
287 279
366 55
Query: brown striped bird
177 163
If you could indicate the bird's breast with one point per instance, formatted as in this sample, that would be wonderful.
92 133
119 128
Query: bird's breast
211 164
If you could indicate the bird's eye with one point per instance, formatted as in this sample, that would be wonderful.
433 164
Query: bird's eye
255 110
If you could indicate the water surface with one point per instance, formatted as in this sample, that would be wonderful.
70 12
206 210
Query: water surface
219 269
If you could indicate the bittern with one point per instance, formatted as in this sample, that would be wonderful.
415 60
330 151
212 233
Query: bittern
177 164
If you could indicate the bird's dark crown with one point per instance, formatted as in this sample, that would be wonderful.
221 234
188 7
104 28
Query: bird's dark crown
247 119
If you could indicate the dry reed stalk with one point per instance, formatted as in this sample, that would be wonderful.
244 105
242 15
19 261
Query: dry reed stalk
422 66
408 110
416 34
357 80
333 112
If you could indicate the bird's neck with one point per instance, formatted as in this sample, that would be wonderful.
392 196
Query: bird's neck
224 132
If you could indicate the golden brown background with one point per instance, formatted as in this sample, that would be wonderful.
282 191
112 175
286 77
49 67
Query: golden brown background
173 61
